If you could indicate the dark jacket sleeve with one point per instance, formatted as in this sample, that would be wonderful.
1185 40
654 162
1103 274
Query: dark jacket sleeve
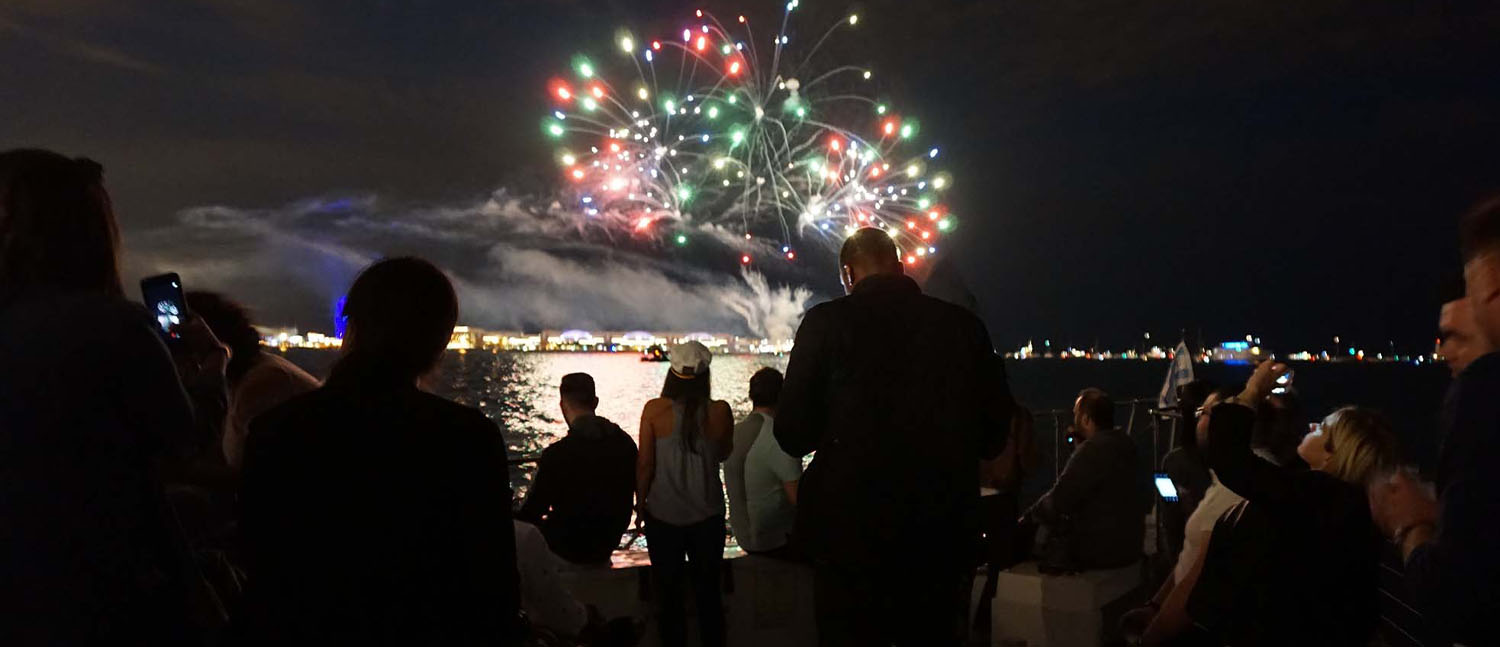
1454 577
152 394
1089 466
801 412
539 498
495 581
996 403
1239 469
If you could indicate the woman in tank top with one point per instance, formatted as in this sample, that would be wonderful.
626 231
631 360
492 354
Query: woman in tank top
684 435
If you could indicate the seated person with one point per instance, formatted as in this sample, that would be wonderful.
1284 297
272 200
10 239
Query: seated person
765 386
1184 464
584 487
1215 501
771 477
1094 516
258 379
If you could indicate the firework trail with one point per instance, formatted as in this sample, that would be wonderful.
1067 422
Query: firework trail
716 131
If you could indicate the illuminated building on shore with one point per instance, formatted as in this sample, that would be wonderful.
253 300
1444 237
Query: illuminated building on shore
467 338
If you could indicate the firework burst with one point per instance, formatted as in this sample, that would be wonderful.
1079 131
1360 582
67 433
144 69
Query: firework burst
717 131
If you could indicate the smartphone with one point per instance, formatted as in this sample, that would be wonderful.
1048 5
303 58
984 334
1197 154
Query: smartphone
1283 382
1165 488
163 296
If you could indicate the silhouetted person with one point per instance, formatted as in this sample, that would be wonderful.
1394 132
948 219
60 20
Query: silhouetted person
1099 502
771 477
900 395
584 487
1185 465
1452 567
374 512
92 411
763 410
258 379
684 436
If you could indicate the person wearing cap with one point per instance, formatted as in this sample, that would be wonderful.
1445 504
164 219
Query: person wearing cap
684 436
584 488
900 394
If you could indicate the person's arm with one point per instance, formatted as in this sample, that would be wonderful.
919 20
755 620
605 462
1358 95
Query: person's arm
1080 479
539 499
152 397
721 428
645 459
1135 622
1173 617
201 361
801 412
491 546
1238 468
1452 568
1230 426
996 406
788 470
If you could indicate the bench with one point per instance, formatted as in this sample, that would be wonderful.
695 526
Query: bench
1076 610
767 601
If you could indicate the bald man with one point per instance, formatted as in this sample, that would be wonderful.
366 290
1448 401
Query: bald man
1459 341
900 395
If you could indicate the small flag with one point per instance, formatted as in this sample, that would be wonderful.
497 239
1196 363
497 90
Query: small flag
1180 373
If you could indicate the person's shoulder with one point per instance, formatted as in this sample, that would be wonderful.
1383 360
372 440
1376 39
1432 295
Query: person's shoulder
275 366
616 432
750 423
824 311
461 415
655 406
956 314
295 407
1479 379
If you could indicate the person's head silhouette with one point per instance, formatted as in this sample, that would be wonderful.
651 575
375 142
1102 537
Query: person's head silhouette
57 229
401 313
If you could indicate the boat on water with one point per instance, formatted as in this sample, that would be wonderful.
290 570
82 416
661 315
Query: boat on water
654 354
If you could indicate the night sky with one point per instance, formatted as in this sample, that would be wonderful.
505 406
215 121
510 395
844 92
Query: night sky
1289 169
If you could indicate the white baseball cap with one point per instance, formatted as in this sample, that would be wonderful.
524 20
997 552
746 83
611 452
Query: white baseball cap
690 359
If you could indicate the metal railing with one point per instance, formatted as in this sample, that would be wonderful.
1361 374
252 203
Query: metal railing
1142 422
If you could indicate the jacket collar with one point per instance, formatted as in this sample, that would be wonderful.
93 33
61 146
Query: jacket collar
887 283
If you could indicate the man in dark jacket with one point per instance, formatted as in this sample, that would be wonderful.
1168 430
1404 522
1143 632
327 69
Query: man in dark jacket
585 483
1452 567
900 395
1100 499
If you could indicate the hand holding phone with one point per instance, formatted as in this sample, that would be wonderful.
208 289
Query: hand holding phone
163 296
198 352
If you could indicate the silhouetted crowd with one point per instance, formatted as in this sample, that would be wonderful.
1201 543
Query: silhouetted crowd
188 487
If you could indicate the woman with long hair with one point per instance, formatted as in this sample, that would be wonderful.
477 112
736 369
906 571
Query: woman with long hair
91 413
374 512
1296 562
684 435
